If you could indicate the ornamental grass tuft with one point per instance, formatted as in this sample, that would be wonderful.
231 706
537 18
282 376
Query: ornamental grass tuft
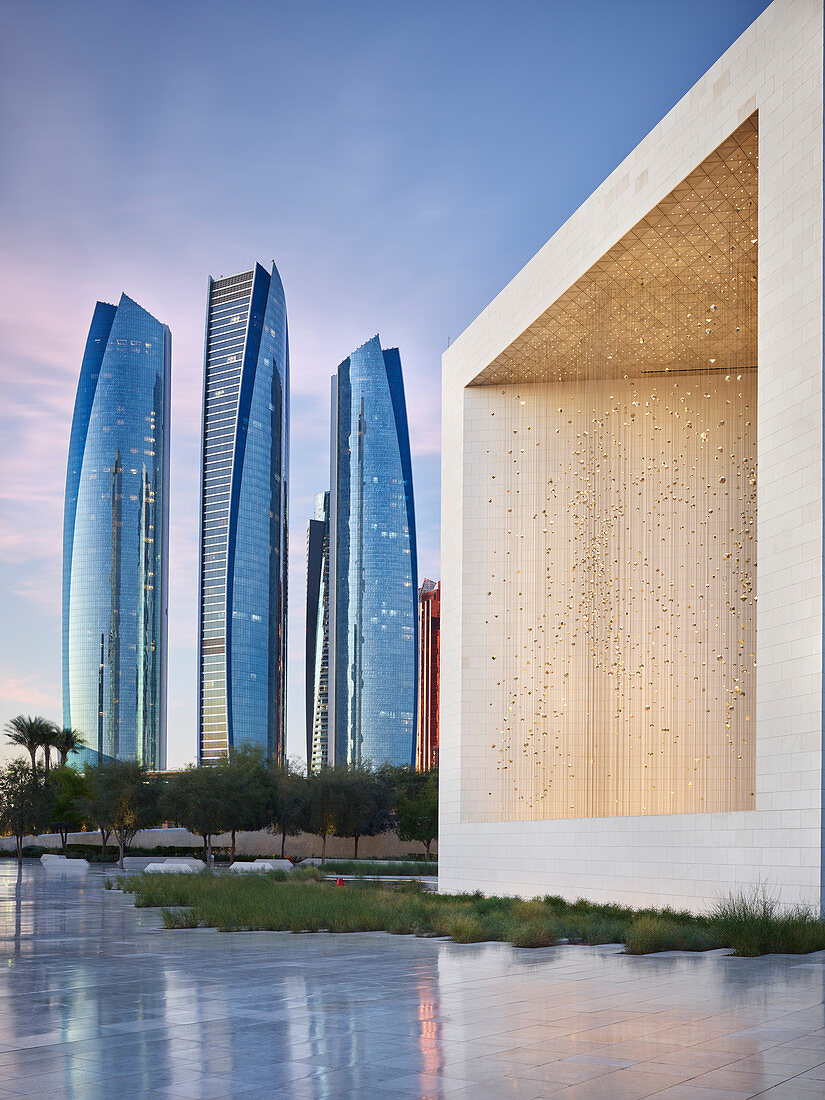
754 923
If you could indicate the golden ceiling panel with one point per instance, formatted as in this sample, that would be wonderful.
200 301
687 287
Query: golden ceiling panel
676 293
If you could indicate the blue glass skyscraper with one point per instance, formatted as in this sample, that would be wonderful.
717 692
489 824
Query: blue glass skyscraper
373 569
243 545
115 539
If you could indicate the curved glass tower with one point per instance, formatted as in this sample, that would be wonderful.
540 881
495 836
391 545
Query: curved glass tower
373 571
115 539
243 547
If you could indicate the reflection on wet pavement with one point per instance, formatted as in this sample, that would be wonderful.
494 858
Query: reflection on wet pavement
97 1000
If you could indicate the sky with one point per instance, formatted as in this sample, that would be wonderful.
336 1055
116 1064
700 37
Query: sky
400 162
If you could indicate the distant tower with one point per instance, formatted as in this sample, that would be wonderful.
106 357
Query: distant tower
243 545
429 634
373 572
116 539
317 639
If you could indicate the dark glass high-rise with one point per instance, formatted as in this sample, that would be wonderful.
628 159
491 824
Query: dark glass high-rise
244 514
317 636
115 539
373 644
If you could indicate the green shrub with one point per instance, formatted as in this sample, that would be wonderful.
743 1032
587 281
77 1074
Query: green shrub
599 929
754 923
302 874
534 933
179 918
650 933
484 906
465 928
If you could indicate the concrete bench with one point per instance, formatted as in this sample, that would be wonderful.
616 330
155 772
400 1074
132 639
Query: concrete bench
276 864
70 866
176 867
137 863
49 857
261 865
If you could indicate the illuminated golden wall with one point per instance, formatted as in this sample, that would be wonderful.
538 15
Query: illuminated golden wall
619 524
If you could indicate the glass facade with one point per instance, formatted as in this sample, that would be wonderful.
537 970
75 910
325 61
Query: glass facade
243 547
373 569
115 539
317 639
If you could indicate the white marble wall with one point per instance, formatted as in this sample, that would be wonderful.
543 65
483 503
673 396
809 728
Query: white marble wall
687 859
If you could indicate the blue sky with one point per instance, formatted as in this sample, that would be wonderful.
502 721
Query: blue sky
399 161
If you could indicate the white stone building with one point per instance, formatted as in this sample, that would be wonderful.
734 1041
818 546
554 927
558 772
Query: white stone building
618 721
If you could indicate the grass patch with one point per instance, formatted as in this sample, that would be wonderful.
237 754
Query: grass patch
367 868
303 901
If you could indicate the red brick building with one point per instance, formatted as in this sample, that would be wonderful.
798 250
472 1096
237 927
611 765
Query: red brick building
429 632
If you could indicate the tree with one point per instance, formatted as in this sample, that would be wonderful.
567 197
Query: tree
50 735
67 741
96 805
194 798
30 733
287 803
122 799
23 805
241 779
67 793
325 797
366 808
416 805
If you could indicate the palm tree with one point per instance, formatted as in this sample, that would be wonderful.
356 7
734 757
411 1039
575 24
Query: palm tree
30 734
47 744
67 741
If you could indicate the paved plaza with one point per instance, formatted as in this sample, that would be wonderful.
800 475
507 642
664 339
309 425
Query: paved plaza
97 1000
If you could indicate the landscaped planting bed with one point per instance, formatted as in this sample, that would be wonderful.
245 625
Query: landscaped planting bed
303 901
369 867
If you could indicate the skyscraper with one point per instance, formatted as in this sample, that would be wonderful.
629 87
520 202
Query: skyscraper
317 639
373 572
243 547
115 539
429 635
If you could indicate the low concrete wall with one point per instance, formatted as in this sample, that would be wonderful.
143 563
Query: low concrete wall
387 846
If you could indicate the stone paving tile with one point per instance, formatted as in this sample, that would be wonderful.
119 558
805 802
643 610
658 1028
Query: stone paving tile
200 1088
623 1084
797 1089
731 1077
691 1092
776 1061
98 1001
741 1044
505 1088
565 1073
697 1058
